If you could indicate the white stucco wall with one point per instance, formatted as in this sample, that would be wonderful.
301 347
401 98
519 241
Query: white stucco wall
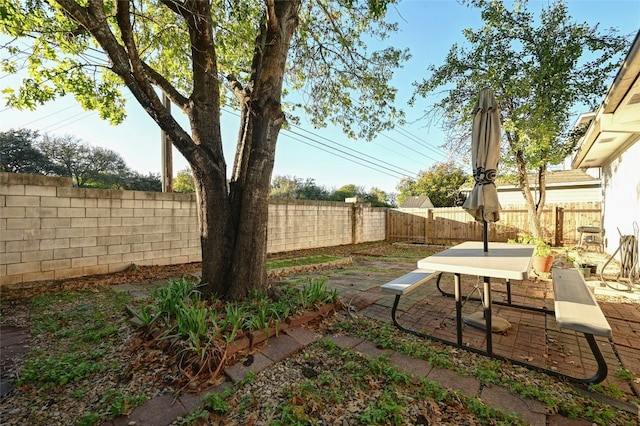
621 181
555 195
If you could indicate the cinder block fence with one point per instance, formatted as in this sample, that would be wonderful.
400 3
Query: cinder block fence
51 230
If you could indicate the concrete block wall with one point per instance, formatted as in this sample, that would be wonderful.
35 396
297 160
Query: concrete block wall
374 224
295 225
51 230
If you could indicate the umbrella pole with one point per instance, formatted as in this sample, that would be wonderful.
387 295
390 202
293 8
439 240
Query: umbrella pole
485 239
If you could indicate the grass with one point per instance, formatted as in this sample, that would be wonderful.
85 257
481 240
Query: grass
525 383
80 332
348 388
301 261
81 324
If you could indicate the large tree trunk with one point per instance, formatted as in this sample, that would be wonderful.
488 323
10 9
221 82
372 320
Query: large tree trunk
213 224
261 120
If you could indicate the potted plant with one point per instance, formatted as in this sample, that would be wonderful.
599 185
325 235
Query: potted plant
542 256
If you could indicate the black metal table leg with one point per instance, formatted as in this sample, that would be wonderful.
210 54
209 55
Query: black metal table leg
487 313
456 280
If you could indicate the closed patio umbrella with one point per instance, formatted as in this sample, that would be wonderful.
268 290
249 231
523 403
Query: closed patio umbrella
482 203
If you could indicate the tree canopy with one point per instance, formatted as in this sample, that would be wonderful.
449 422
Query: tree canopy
25 151
540 68
269 59
81 161
294 188
441 183
19 153
183 182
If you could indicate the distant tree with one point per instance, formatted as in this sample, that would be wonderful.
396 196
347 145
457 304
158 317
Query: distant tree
285 187
87 165
183 182
441 183
294 188
347 191
310 191
19 153
539 70
150 182
405 189
379 198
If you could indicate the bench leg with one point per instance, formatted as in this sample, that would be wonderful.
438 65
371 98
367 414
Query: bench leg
394 311
601 374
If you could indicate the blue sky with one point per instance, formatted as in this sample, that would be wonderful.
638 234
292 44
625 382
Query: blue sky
428 28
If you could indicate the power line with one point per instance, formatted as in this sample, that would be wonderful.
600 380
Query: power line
341 156
346 153
351 149
376 162
48 115
420 141
68 121
410 148
365 160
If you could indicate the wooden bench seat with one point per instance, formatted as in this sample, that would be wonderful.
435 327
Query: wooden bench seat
576 309
409 282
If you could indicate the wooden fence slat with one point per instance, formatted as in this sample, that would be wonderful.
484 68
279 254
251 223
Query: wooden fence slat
451 225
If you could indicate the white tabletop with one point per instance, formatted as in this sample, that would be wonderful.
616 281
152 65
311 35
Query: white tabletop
502 260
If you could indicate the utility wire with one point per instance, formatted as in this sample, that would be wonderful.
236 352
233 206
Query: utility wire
343 157
411 148
351 149
49 115
394 169
365 160
420 141
346 153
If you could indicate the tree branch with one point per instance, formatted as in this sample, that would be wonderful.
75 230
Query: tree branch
240 92
272 18
172 93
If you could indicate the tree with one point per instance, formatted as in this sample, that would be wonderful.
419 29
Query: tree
285 187
347 191
308 190
538 73
201 55
441 183
379 198
19 153
135 181
183 182
88 166
294 188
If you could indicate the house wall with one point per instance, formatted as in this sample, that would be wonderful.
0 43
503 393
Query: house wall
555 195
50 230
621 196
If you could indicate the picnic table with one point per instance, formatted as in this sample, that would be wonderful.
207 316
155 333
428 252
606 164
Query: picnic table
574 309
